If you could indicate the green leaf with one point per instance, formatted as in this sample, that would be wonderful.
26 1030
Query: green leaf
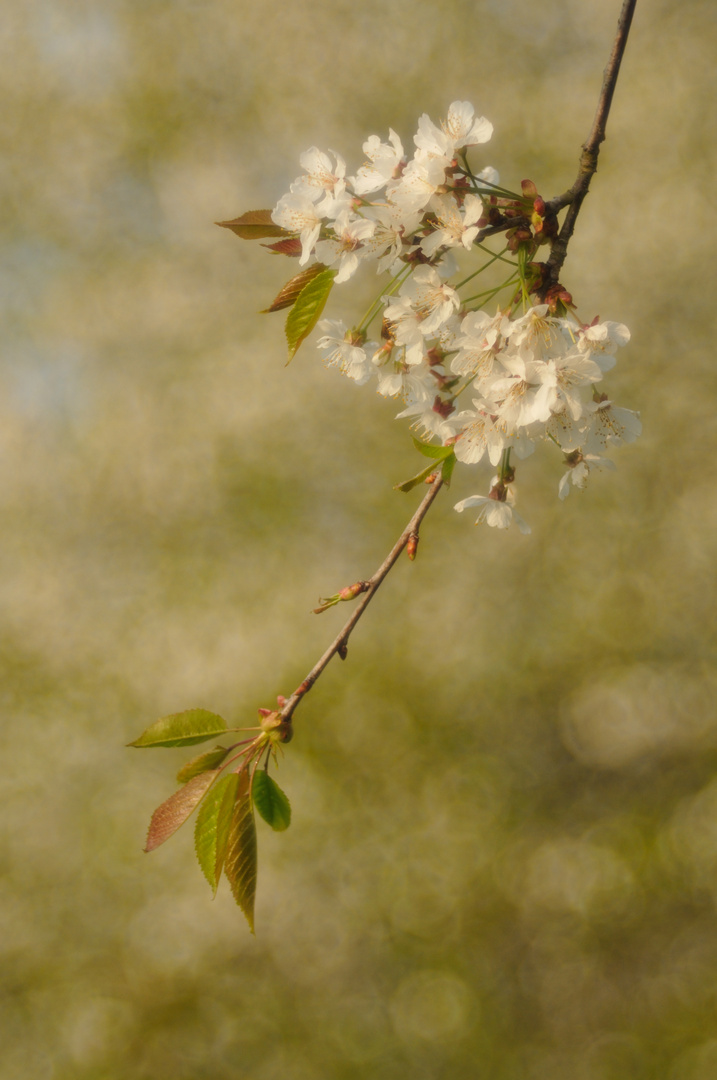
254 225
211 833
210 759
432 451
290 293
449 465
437 454
306 312
408 485
240 864
270 801
182 729
168 817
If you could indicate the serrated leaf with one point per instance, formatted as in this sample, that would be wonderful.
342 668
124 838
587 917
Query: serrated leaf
408 485
291 246
288 296
270 801
449 465
431 450
240 863
254 225
211 833
168 817
210 759
306 312
182 729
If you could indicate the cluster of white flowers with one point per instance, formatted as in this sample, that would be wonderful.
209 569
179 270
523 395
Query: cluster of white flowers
530 369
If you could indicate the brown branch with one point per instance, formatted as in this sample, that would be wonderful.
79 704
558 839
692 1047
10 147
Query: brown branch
574 197
340 642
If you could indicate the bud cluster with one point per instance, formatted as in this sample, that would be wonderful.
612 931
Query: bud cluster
490 384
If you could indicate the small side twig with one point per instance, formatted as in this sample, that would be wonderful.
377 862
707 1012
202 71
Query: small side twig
340 643
574 197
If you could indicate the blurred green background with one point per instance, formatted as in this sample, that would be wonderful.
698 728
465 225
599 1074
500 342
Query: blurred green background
503 860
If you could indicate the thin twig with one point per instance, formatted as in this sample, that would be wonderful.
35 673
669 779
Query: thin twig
574 196
340 642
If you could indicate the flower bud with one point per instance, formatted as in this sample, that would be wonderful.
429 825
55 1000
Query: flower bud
558 299
278 729
352 591
271 720
443 408
285 731
435 355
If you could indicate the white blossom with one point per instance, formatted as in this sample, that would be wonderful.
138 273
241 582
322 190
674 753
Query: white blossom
602 340
341 351
322 181
464 127
405 324
418 183
297 213
489 176
346 246
393 231
523 397
533 372
410 384
609 425
496 512
579 471
432 299
429 420
479 436
452 228
476 343
537 335
565 376
384 161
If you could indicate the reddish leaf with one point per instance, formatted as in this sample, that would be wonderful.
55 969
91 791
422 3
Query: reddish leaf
290 293
167 818
292 246
254 225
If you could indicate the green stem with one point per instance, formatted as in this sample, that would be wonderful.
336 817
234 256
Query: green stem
492 292
494 258
375 305
504 466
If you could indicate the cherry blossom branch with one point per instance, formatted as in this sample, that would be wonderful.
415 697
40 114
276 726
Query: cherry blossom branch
369 589
575 196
